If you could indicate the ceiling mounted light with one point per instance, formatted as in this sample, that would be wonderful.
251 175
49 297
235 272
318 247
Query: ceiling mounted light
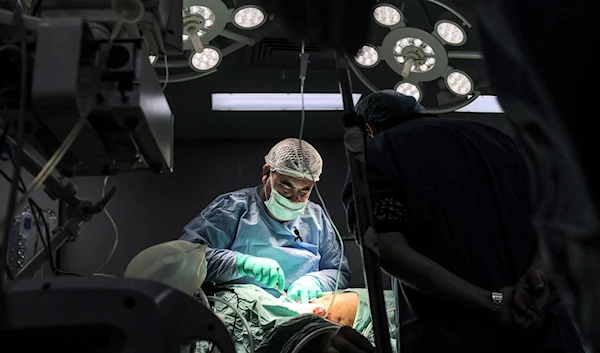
451 33
209 16
249 17
203 21
153 59
459 83
409 89
205 60
367 56
387 15
415 52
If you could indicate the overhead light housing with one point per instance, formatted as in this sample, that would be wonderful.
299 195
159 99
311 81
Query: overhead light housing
205 12
279 101
387 15
249 17
451 33
459 83
367 56
206 60
203 21
409 89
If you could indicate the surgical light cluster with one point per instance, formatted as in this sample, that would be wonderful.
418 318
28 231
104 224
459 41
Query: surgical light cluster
204 21
421 57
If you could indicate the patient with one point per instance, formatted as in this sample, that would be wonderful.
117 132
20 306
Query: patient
344 308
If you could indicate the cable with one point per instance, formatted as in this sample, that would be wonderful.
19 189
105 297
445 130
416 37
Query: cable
302 124
202 296
12 204
72 136
238 313
115 228
166 74
103 275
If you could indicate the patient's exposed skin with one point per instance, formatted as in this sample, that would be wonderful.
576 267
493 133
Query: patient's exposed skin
343 310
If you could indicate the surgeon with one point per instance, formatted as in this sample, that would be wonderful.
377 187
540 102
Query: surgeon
272 235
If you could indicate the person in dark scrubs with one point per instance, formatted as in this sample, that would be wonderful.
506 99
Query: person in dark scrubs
451 209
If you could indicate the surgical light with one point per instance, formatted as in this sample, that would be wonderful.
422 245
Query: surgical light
409 89
249 17
367 56
414 52
451 33
387 15
205 12
205 60
459 83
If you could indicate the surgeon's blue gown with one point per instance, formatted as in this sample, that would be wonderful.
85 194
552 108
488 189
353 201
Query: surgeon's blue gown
238 222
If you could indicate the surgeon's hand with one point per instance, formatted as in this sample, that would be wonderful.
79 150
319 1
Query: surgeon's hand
347 340
306 288
264 270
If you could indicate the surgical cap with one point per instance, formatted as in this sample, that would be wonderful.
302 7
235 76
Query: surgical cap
179 264
385 107
287 158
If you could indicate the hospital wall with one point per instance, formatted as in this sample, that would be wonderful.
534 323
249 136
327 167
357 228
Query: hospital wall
150 209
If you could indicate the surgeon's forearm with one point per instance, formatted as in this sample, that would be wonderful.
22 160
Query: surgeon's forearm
428 277
222 265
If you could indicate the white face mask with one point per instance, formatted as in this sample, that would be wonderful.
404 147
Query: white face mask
282 208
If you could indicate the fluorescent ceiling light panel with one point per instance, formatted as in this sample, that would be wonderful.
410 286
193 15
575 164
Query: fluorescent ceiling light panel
483 104
278 101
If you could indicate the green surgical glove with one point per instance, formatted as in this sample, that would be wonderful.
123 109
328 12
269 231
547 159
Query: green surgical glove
266 271
307 288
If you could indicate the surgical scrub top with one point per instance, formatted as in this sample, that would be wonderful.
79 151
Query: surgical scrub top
238 223
459 192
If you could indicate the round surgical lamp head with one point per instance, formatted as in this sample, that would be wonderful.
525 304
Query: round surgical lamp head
205 12
153 59
459 83
204 18
409 89
249 17
414 54
206 60
451 33
387 15
367 56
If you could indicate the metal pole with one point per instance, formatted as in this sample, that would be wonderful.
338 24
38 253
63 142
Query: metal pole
354 141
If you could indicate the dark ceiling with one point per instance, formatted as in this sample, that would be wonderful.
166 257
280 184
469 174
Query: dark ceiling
271 66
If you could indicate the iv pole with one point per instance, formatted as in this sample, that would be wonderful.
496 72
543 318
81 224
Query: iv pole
354 143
